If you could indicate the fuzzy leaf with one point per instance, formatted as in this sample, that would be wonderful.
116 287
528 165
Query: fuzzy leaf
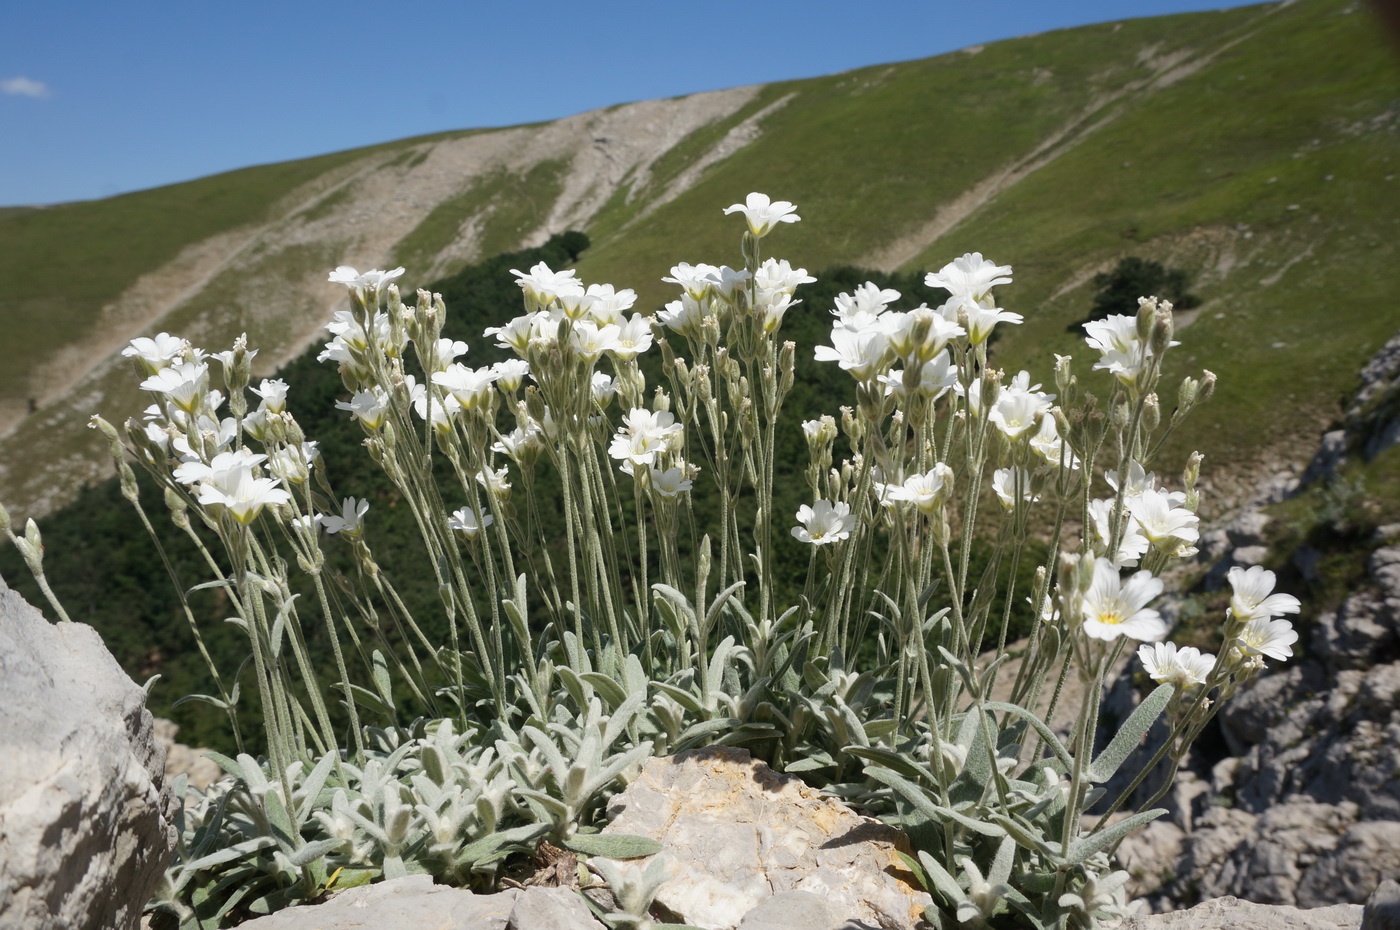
937 813
1086 846
312 851
1046 734
497 844
1130 734
613 845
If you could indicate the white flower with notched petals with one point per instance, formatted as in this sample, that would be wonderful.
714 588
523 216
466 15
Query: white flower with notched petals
821 430
193 472
1016 413
496 482
824 522
293 464
671 482
860 353
542 285
156 352
762 213
633 338
1169 528
684 316
514 335
186 384
980 320
361 281
609 304
779 276
1269 637
590 340
970 276
242 494
1132 546
1013 484
1253 598
273 394
1047 444
604 387
465 521
470 386
510 374
925 491
1112 608
698 281
1169 665
369 407
920 334
351 519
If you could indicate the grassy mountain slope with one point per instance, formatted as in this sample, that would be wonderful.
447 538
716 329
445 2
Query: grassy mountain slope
1253 146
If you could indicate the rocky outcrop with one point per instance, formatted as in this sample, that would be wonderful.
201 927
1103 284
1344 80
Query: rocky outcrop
86 820
1234 914
415 902
1304 809
737 834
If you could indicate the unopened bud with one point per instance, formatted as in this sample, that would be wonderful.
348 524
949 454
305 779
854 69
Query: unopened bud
1163 331
1192 474
4 519
1146 317
1207 387
1151 412
787 364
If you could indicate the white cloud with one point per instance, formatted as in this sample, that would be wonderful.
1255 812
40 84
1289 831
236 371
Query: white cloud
24 87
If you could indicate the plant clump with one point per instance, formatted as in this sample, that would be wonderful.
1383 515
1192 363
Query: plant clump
643 616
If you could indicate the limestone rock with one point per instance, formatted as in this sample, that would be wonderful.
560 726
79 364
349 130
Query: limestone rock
1383 908
86 817
736 833
415 902
199 770
1233 914
1365 855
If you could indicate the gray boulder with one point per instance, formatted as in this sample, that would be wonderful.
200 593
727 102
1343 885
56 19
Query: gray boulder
86 817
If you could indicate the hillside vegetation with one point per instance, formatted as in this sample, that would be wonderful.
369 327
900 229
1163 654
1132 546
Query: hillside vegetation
1256 148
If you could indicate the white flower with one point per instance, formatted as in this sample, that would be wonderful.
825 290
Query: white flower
762 213
698 281
970 276
351 518
241 493
980 320
824 522
925 491
1048 445
470 386
1252 598
1181 667
496 483
510 373
1269 637
683 316
1112 609
1011 484
374 278
779 276
919 335
633 338
609 303
293 464
514 335
156 352
590 340
464 520
604 387
370 407
1016 412
185 384
820 430
193 472
542 284
861 309
1132 546
671 482
273 394
1169 528
519 442
860 353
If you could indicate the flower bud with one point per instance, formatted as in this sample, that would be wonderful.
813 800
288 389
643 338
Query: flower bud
1151 412
4 519
1164 329
1146 317
787 364
1192 474
1207 387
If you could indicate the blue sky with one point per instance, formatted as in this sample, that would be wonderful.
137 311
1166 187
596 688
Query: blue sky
99 98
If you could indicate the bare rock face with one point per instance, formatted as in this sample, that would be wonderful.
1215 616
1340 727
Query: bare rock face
738 834
1234 914
86 817
415 902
